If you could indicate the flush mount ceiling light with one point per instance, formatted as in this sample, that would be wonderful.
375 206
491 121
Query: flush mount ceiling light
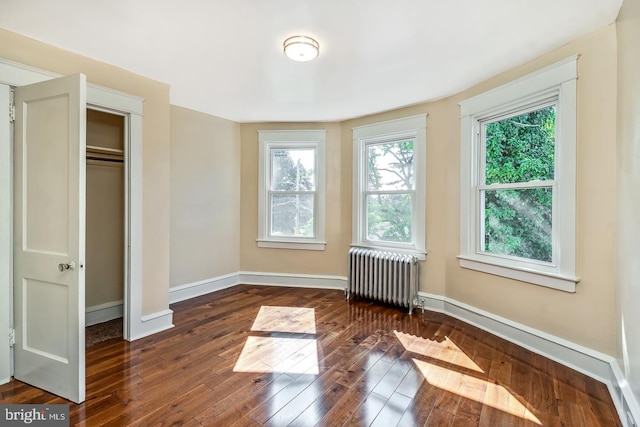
301 48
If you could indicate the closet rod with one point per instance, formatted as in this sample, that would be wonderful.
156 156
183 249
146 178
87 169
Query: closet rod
100 159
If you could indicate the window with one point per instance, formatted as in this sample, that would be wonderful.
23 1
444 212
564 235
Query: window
389 185
517 179
291 189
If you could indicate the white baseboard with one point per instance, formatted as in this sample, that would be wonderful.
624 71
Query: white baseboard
623 397
202 287
103 312
582 359
597 365
293 280
151 324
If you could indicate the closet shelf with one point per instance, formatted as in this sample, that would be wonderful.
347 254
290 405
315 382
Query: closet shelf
104 150
103 154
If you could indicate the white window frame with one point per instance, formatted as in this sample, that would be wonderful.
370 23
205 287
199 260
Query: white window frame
290 140
413 127
557 81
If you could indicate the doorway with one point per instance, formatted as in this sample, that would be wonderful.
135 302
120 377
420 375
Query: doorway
105 225
129 109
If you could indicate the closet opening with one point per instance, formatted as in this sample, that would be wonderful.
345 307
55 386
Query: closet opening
105 226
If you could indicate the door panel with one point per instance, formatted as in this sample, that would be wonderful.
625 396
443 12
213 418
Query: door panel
52 171
49 224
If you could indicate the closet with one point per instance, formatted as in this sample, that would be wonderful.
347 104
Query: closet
105 226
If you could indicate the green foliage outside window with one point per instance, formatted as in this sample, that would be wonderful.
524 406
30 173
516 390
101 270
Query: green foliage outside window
291 213
520 149
389 199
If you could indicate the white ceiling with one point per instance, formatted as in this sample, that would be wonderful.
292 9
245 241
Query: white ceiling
224 57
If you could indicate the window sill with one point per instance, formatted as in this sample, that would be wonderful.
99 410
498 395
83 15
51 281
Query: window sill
421 255
549 280
288 244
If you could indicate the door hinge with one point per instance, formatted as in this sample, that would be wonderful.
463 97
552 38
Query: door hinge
12 337
12 113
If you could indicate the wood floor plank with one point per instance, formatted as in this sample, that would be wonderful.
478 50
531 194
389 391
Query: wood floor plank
320 406
180 409
271 407
411 383
305 399
393 411
355 363
421 406
244 399
347 405
368 410
392 379
439 417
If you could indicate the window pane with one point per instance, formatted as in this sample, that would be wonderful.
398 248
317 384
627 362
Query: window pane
521 148
292 170
518 223
389 217
390 166
292 215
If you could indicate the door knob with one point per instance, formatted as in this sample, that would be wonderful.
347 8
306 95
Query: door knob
63 267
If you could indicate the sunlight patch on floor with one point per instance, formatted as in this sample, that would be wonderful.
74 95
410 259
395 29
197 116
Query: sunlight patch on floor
446 351
279 354
289 346
470 387
293 320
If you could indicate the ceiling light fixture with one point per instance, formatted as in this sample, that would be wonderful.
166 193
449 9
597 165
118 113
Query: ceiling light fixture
301 48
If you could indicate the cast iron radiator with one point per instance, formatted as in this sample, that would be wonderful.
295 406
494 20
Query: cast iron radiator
383 276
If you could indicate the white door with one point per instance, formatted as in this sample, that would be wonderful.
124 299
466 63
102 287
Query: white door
49 235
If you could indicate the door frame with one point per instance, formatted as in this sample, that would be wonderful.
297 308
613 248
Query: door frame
14 74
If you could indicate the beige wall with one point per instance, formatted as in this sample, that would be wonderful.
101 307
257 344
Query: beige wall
104 272
586 317
156 149
628 267
205 196
332 261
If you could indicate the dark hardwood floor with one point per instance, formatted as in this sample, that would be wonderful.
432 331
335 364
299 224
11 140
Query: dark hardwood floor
280 356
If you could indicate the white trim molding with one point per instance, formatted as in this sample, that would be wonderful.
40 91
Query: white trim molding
555 281
16 74
293 280
6 239
214 284
624 398
103 312
153 323
202 287
552 85
594 364
406 128
277 244
291 140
